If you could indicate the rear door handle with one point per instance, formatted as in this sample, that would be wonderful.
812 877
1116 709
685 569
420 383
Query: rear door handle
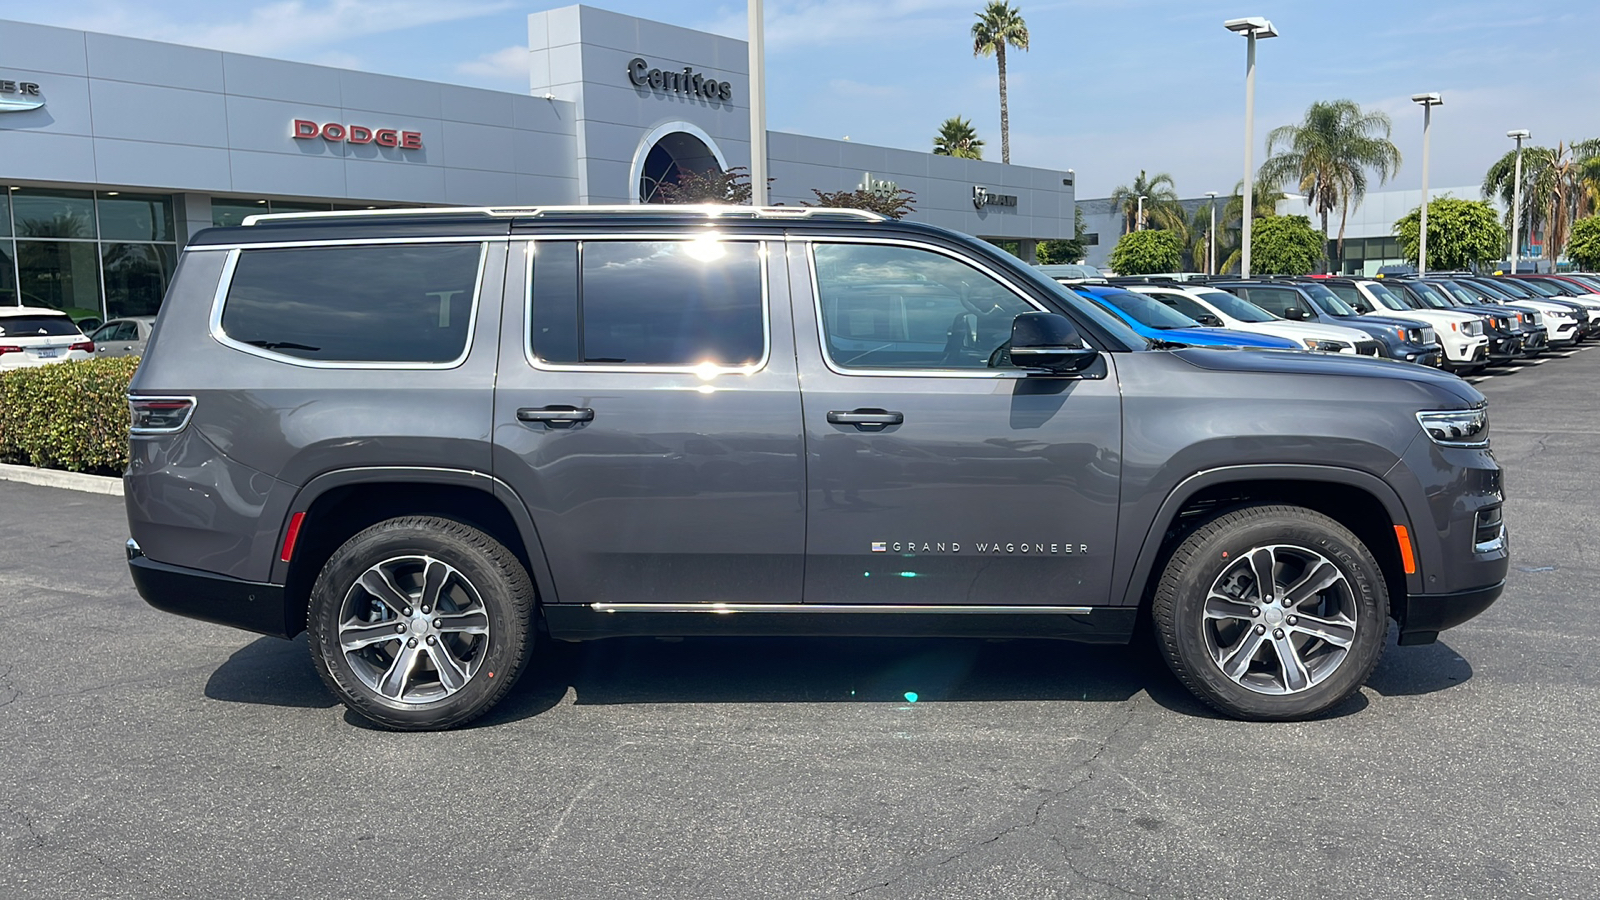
556 416
866 419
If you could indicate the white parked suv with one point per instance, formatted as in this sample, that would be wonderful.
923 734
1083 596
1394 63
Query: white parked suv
35 336
1461 334
1210 306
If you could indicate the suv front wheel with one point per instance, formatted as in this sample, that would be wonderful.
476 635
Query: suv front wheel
1272 612
421 623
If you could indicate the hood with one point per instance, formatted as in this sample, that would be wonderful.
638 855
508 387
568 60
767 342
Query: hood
1322 365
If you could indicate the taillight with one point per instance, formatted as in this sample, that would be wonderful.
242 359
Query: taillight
8 348
85 346
160 415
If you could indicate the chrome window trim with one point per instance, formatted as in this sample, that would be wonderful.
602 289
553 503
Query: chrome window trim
763 253
225 282
346 242
811 242
187 416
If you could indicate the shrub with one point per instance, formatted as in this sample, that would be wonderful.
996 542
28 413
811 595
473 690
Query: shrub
1583 247
1147 253
70 415
1284 245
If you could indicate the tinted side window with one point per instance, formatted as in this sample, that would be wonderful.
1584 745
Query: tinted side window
405 303
652 303
1184 304
1277 301
1349 294
902 307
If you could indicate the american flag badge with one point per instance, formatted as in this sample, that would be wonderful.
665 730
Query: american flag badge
880 546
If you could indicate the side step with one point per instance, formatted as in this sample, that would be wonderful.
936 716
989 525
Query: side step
1088 624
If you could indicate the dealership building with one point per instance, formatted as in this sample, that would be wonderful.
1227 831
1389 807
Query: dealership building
116 150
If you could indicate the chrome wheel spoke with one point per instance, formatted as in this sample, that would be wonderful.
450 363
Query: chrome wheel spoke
1295 676
469 622
377 582
1221 606
1263 563
433 581
1317 579
356 635
452 675
1340 632
1235 661
395 679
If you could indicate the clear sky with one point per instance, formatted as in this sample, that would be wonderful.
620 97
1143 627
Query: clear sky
1107 88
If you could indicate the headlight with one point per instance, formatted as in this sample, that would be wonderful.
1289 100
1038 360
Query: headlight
1457 427
1325 346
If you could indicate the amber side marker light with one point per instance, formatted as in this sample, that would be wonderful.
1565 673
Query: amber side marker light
293 534
1407 558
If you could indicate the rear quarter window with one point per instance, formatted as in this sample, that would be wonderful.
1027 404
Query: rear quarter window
389 303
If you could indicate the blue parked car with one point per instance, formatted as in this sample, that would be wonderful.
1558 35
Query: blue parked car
1156 321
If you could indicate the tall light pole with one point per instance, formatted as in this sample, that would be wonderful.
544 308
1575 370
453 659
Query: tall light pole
1428 101
1211 245
758 105
1252 27
1138 219
1520 134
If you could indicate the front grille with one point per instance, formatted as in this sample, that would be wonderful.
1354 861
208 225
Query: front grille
1537 318
1474 328
1428 336
1369 348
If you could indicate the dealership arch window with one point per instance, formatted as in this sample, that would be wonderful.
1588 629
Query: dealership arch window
668 153
390 303
894 307
672 303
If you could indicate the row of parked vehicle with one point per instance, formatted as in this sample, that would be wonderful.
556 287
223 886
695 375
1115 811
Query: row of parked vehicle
1460 321
38 336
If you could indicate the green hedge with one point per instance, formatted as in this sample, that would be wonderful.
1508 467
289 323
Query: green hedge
71 415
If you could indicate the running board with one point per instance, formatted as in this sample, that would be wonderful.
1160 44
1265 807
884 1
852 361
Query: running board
1098 624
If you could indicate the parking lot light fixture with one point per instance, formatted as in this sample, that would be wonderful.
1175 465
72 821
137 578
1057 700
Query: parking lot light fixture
1252 27
1428 101
1211 243
1520 135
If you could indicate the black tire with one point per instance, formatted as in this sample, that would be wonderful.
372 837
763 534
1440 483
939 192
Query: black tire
1197 632
480 583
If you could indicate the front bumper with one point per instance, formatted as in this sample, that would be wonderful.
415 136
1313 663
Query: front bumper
209 597
1423 616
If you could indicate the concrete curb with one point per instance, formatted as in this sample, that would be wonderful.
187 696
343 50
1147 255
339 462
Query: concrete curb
72 481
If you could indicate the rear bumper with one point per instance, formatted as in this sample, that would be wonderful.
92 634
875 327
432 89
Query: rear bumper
1423 616
209 597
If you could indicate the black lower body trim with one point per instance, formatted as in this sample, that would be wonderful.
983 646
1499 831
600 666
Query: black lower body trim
251 605
1100 625
1423 616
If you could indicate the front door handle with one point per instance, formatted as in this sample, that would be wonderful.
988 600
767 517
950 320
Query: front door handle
556 416
866 419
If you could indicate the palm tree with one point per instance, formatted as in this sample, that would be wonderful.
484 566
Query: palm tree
956 137
1000 26
1328 156
1263 205
1161 196
1558 187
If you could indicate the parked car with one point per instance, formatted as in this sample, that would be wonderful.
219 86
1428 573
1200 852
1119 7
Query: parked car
36 336
1513 333
1561 321
1407 340
1073 273
1575 297
1156 321
123 337
450 435
1461 335
1220 309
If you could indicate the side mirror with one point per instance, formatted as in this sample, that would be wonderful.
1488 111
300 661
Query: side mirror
1209 320
1293 313
1048 341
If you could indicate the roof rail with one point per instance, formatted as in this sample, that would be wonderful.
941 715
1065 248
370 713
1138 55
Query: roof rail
710 210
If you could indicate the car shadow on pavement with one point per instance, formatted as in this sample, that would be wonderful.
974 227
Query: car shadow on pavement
270 671
1413 671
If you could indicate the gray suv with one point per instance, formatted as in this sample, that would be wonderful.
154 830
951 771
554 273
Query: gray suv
436 439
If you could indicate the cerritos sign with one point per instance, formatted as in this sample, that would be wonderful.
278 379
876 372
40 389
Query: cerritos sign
678 81
307 130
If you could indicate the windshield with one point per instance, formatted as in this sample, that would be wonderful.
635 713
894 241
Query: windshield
1589 281
43 325
1329 301
1430 295
1494 292
1147 311
1459 292
1235 307
1516 289
1387 297
1543 287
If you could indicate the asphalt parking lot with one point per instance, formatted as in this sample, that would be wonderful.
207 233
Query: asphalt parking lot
143 755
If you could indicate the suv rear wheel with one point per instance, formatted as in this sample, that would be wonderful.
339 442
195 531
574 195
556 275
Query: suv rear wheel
421 623
1272 612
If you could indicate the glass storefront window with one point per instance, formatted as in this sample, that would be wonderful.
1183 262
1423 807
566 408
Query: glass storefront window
5 212
136 277
62 275
8 273
136 217
225 213
289 206
45 213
